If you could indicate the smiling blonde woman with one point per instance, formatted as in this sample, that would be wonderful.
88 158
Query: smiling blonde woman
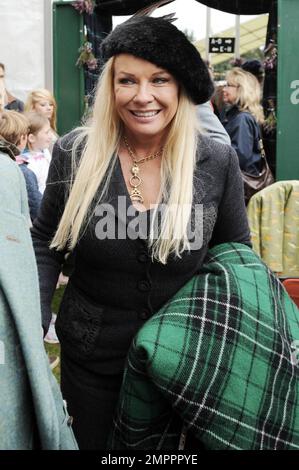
138 195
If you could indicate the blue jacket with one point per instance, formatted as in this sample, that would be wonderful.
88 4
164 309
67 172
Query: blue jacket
32 412
34 196
244 134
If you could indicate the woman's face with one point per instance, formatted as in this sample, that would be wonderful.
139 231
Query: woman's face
44 107
230 94
146 96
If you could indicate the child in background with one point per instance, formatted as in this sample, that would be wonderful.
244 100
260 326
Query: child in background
37 154
43 102
38 158
13 137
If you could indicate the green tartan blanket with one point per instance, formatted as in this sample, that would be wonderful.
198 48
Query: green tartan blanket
220 358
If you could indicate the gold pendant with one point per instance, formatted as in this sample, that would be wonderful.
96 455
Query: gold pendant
135 182
136 196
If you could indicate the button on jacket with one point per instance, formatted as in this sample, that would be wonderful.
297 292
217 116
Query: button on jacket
116 285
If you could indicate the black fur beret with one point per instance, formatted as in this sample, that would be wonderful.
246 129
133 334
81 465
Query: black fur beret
160 42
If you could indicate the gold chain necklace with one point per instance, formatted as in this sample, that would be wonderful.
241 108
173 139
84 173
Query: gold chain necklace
135 180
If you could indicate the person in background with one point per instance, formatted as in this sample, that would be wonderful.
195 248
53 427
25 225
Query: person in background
37 154
255 67
9 101
13 136
210 123
43 102
142 160
38 158
33 415
243 116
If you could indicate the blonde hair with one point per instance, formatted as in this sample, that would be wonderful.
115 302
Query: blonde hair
103 134
12 126
248 92
40 95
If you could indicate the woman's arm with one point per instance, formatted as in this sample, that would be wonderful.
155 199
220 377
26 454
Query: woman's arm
232 224
49 262
211 124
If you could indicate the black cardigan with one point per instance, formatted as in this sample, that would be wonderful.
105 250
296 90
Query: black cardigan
115 285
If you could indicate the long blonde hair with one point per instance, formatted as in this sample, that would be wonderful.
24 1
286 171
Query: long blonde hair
248 92
103 134
40 95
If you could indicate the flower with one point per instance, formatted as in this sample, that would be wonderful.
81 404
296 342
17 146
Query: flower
84 6
271 120
270 62
92 64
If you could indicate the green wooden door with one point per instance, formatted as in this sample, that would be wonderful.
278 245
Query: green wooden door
288 91
68 78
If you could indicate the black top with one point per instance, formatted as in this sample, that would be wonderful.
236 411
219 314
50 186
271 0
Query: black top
15 105
118 276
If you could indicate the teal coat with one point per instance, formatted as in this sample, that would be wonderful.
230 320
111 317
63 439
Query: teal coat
32 412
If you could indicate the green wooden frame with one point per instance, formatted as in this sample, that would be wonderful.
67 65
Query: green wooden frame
68 36
287 161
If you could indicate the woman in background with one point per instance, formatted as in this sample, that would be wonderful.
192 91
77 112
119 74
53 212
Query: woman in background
42 101
243 116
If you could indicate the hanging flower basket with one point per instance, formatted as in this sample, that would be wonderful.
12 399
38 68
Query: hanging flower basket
270 62
270 122
86 57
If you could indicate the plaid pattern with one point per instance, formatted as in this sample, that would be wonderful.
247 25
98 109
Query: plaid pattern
218 358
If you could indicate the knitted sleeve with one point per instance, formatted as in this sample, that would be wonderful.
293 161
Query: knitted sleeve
232 224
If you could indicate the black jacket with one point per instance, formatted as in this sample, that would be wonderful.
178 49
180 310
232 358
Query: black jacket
115 286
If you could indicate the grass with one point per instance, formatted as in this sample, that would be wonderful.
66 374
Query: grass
54 349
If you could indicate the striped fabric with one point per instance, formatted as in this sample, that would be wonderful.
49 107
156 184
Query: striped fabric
221 357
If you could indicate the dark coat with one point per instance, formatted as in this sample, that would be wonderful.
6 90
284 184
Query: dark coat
115 286
244 133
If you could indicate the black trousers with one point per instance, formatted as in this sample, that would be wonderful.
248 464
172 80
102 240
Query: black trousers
91 401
